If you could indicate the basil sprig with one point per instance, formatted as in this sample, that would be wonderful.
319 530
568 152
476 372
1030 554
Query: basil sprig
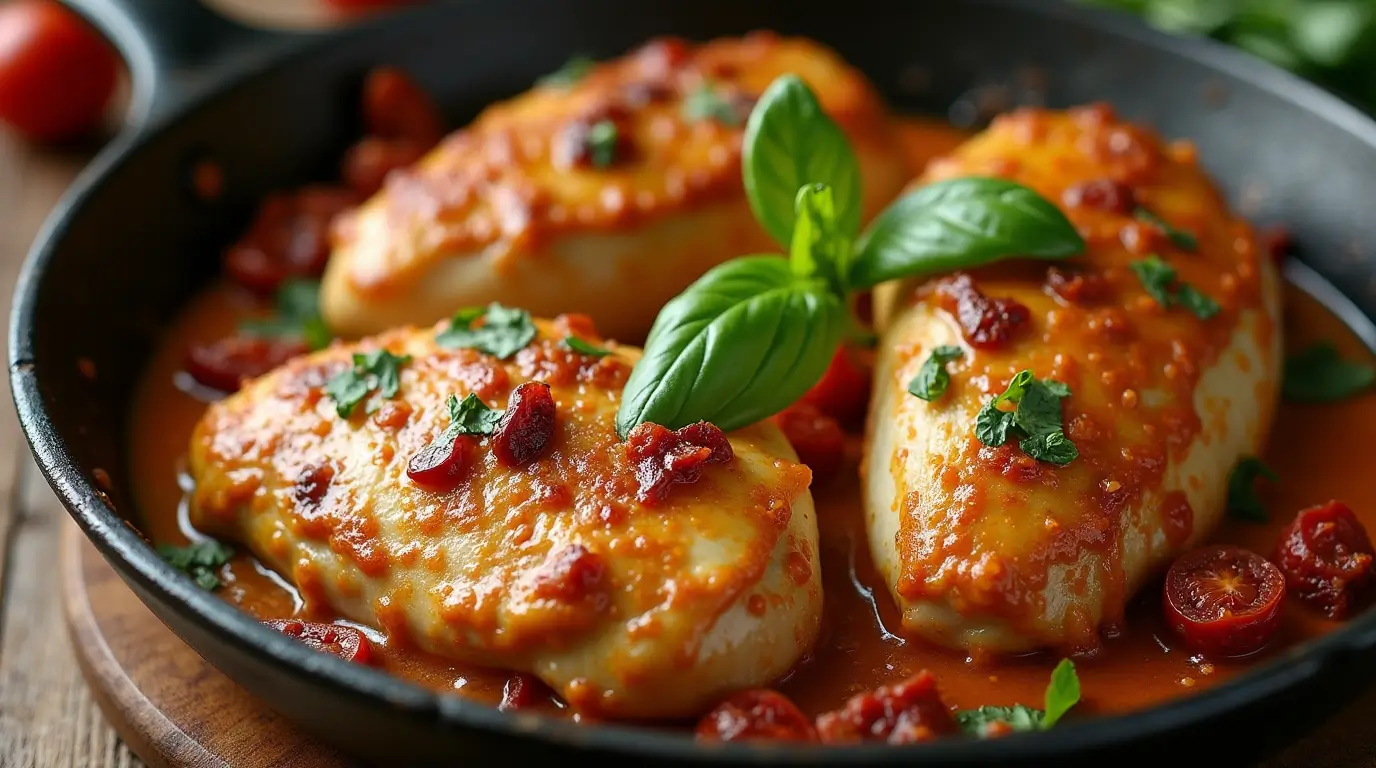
755 333
1062 693
1243 502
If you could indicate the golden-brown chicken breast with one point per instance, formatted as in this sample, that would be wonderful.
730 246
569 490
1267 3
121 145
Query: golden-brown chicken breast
606 195
1171 378
640 579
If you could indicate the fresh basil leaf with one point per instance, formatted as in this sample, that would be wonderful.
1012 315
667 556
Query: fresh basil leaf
709 102
1182 239
1160 282
375 370
200 561
602 139
1243 503
504 332
1062 693
568 75
1319 374
1037 419
960 224
297 315
739 345
790 142
1020 718
932 378
818 248
584 348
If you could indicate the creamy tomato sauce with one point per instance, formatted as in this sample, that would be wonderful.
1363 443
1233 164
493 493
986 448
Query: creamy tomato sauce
857 650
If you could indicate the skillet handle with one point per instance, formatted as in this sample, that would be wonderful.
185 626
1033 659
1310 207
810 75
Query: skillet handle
174 48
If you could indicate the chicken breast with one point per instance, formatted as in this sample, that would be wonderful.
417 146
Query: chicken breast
628 607
988 549
608 195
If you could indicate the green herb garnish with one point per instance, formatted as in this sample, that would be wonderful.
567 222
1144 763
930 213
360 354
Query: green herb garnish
602 140
1036 419
376 370
708 102
568 75
1243 503
1182 239
1319 374
584 348
1159 280
469 416
932 378
1062 693
504 330
753 334
200 561
297 315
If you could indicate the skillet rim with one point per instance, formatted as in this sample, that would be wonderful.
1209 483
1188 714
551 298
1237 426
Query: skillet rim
138 562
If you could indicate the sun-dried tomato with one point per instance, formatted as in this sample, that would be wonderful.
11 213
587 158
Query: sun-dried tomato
1101 194
817 437
527 425
394 107
756 715
663 458
906 713
367 163
1077 286
1326 556
289 237
226 363
986 322
570 574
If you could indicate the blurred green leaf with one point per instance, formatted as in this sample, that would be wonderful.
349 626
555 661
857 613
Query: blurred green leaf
1332 34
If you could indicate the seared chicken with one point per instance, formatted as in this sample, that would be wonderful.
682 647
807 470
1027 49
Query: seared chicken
605 194
555 566
988 549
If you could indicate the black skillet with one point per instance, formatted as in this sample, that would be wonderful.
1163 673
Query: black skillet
130 244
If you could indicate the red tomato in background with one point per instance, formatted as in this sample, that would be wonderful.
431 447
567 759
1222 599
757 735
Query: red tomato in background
57 74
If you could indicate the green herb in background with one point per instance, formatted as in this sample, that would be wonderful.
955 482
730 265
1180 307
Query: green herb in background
296 315
1332 42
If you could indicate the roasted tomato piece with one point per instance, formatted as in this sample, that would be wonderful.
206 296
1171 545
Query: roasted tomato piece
225 364
345 642
906 713
1326 557
756 715
844 391
1224 600
439 463
664 458
818 439
527 425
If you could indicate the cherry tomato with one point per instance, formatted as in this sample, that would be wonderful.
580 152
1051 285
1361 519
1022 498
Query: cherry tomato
818 439
225 364
756 715
345 642
1327 559
56 73
1224 600
844 391
906 713
438 464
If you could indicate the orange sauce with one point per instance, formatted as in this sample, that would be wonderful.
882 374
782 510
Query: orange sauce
857 650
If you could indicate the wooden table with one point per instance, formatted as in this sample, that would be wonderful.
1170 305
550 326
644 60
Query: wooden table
47 716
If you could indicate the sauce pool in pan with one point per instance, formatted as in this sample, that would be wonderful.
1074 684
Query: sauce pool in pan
856 651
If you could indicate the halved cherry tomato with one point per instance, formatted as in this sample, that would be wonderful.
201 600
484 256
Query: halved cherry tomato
844 391
1224 600
438 464
225 364
756 715
818 439
345 642
1327 558
57 74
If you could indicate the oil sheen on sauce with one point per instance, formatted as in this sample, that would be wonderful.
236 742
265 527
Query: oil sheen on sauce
856 650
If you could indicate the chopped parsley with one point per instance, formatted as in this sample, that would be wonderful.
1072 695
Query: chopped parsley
378 370
707 102
1243 503
602 141
932 378
469 416
200 561
584 348
503 333
1182 239
1159 280
1062 693
568 75
296 315
1319 374
1036 419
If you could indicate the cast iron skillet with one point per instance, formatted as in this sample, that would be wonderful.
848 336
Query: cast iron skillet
130 244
